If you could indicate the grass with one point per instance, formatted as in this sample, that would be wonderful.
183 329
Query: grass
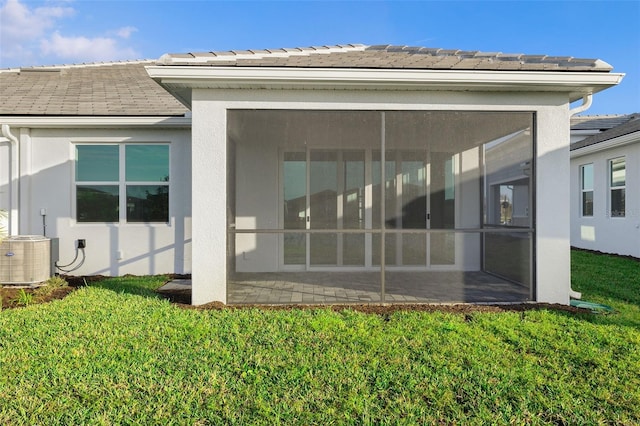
114 353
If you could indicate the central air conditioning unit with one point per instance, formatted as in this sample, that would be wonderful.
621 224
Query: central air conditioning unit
25 259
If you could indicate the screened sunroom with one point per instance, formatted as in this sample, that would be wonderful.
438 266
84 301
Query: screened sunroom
380 206
380 174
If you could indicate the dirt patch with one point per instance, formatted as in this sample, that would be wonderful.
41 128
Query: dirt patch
179 297
13 297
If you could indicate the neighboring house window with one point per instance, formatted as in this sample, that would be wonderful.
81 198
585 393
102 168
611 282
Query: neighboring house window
586 185
122 183
617 182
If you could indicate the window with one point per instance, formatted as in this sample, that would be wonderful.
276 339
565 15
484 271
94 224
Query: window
617 182
117 183
586 186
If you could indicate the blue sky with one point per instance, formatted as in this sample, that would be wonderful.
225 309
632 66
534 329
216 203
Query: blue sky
48 32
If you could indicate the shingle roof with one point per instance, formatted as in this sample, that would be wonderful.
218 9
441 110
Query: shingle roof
109 89
632 125
125 88
385 56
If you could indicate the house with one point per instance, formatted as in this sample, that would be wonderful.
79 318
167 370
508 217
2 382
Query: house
345 173
605 183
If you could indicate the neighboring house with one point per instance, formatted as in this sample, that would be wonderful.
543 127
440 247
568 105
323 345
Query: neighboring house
345 173
605 182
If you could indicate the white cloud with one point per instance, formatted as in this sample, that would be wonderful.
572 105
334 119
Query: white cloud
125 32
84 48
21 27
36 36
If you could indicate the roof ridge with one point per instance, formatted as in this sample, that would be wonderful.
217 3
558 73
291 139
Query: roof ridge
592 116
286 52
80 65
384 56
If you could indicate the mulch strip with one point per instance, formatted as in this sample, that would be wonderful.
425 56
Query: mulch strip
182 299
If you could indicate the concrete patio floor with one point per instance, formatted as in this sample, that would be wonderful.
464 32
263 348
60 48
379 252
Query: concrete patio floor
364 287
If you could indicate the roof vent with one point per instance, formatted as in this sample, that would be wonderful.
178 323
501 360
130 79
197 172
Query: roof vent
39 70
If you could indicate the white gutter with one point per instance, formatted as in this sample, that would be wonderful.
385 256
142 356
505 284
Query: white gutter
180 80
359 76
382 79
587 100
13 142
35 122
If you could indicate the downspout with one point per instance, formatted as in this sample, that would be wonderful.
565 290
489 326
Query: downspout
13 142
587 100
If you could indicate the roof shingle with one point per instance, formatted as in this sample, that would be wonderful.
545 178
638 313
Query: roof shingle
125 88
113 89
632 125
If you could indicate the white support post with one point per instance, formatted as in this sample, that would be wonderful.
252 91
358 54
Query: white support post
553 256
209 204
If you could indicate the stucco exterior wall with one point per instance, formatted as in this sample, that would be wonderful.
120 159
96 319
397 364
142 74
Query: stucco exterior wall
46 182
552 261
619 235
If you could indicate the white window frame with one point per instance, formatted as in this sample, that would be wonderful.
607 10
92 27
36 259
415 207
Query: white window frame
584 191
122 184
616 188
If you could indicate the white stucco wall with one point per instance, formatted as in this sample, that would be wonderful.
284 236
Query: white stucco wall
552 268
619 235
47 173
553 261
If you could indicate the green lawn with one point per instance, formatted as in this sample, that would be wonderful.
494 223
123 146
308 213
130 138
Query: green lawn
113 353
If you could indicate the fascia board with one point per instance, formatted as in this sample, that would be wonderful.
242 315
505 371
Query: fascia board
95 122
381 79
609 144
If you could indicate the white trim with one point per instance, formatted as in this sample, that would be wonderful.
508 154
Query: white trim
578 84
75 122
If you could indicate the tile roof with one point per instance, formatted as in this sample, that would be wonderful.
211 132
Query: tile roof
107 89
385 56
598 122
632 125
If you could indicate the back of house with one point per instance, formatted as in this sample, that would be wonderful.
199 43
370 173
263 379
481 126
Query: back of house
329 174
